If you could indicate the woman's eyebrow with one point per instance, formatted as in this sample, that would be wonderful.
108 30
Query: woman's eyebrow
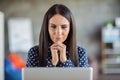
64 24
52 24
61 24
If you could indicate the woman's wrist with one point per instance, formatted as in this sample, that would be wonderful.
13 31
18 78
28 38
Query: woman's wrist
63 59
54 62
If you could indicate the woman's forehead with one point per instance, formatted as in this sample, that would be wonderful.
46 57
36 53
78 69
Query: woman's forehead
58 19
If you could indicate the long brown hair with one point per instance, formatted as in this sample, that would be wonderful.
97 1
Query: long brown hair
44 38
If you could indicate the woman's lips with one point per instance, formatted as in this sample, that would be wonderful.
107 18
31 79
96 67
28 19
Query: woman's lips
58 39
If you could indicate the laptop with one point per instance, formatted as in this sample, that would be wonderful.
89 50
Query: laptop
40 73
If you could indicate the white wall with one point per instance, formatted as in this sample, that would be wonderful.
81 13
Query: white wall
1 46
90 16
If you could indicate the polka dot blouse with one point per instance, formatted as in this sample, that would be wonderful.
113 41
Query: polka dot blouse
33 60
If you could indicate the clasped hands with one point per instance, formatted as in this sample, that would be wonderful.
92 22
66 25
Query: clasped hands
58 52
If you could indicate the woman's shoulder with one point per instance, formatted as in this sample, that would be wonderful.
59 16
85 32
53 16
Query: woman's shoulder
33 56
83 57
34 49
81 49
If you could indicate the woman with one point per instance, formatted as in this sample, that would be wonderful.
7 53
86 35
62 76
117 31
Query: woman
57 41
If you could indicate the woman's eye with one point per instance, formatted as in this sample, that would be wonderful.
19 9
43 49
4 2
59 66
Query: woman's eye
64 26
53 27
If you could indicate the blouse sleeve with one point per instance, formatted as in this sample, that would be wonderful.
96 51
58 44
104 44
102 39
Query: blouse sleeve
82 56
49 63
83 59
32 59
68 63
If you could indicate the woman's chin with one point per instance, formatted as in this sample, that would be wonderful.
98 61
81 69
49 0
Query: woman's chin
58 42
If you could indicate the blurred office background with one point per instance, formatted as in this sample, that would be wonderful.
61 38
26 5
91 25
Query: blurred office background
95 19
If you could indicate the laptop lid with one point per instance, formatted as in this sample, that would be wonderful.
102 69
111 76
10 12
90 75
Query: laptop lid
76 73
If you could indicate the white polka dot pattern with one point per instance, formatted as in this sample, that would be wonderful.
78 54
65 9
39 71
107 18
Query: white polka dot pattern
33 60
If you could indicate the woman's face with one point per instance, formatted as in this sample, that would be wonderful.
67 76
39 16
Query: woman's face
59 28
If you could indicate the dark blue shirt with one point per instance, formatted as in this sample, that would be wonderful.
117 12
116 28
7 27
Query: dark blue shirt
33 58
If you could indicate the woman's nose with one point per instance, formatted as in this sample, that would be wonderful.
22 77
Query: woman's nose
59 31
